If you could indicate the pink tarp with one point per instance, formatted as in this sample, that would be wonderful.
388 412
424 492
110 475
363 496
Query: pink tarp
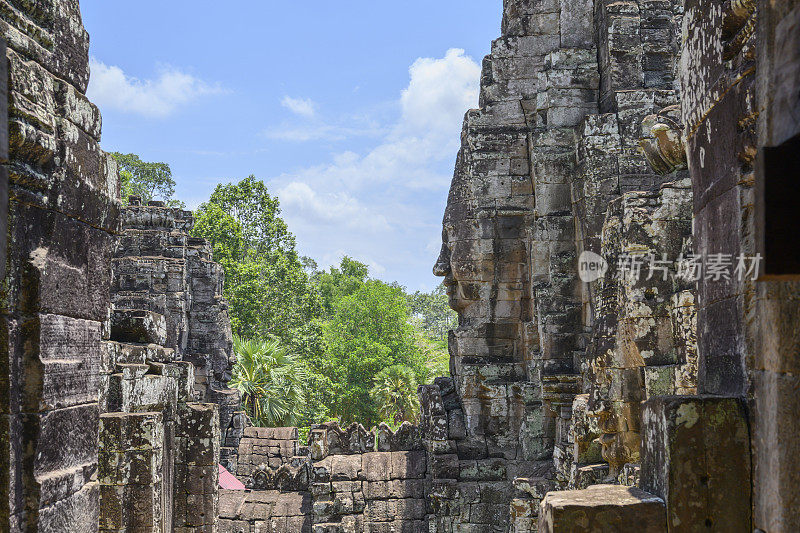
227 481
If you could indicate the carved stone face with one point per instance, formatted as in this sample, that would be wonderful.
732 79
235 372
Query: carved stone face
466 263
443 269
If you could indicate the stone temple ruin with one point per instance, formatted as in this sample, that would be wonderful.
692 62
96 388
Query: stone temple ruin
613 137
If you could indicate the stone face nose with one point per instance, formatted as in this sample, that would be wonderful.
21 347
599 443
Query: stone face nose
442 266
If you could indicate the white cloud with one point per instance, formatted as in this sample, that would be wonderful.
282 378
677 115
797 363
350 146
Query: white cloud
439 93
332 207
386 203
111 88
319 131
427 132
299 106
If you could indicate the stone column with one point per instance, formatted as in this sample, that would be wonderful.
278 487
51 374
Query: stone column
775 375
130 472
62 213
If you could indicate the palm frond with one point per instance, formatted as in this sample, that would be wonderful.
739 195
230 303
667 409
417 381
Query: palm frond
270 380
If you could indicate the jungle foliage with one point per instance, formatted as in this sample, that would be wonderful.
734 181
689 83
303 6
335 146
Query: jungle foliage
311 344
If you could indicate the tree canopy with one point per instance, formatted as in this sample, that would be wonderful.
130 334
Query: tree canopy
432 312
357 346
271 381
368 331
151 181
395 392
266 285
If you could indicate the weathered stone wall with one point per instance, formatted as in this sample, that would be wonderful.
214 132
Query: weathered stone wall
719 114
775 370
269 511
63 209
593 118
721 460
170 349
159 267
644 339
575 99
345 480
741 100
159 450
368 480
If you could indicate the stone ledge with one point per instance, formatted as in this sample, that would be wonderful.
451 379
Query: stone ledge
602 508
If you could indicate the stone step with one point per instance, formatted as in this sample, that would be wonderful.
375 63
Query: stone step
328 527
602 508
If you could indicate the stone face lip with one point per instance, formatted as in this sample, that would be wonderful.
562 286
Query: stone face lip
602 508
138 325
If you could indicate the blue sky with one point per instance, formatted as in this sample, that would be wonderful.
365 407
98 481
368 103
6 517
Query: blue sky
350 111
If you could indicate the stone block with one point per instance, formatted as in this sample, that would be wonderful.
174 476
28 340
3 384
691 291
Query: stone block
67 438
482 470
444 466
377 466
63 264
346 467
696 456
137 325
408 465
602 508
76 512
68 362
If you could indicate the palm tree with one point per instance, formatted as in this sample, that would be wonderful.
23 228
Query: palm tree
395 392
271 381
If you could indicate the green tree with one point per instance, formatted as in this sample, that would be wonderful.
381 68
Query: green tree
432 317
151 181
258 215
431 312
266 285
369 331
271 382
338 283
395 393
436 355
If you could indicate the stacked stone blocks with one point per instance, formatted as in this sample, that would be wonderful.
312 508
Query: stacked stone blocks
61 214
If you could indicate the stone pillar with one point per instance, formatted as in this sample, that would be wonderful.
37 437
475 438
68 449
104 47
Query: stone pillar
144 377
160 268
130 473
776 368
62 212
719 111
644 342
3 160
196 468
696 456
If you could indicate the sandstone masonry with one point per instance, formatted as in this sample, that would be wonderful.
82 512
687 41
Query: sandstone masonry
62 213
649 129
